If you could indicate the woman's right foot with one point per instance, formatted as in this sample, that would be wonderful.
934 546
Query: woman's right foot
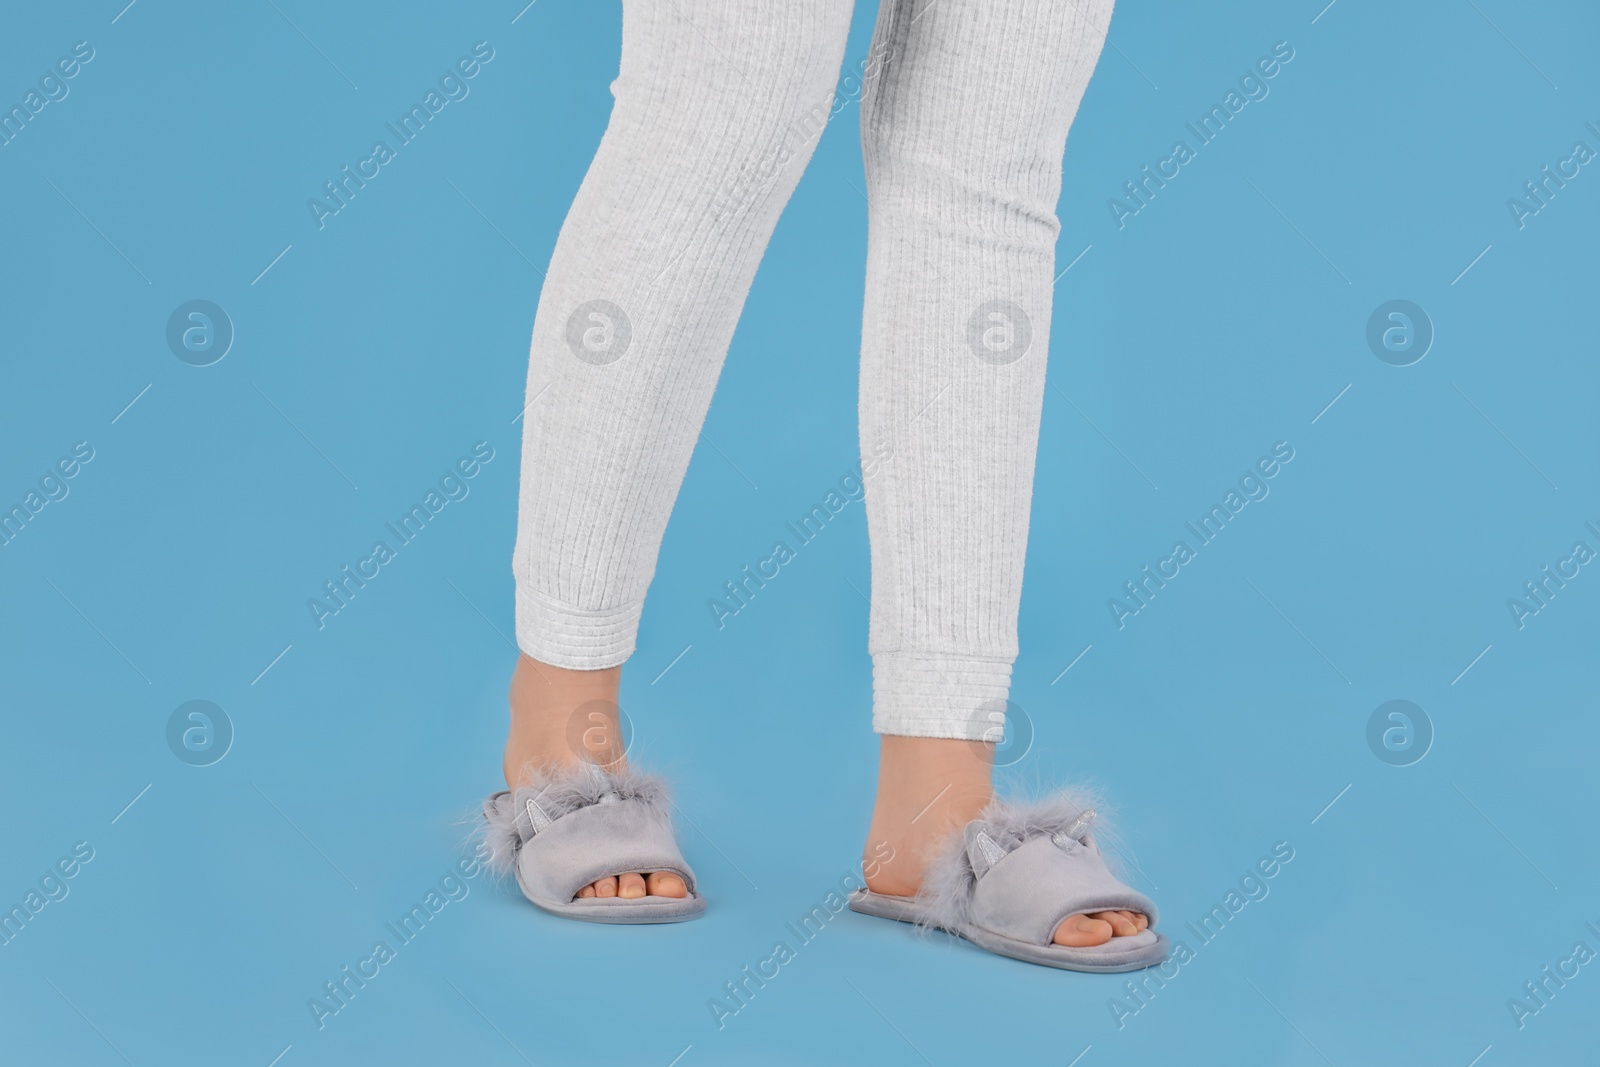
560 718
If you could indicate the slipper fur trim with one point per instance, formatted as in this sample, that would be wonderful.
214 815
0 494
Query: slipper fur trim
948 881
560 791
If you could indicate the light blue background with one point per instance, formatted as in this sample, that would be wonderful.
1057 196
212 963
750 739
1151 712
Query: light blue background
1223 718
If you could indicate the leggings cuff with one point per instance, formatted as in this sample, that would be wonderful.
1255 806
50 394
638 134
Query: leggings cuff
573 638
939 695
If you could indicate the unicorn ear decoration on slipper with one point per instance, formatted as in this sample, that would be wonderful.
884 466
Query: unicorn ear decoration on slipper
1010 878
571 826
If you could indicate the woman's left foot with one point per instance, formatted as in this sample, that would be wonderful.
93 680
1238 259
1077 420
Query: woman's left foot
928 790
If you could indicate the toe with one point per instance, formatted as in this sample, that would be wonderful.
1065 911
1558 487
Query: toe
1081 931
586 891
630 886
605 887
1122 924
665 884
1140 920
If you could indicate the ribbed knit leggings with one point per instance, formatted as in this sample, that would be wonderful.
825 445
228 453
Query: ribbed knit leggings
718 103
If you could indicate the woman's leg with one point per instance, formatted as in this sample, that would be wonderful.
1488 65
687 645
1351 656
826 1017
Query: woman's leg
963 132
718 105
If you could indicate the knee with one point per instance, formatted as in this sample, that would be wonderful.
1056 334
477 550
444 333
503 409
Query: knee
729 95
959 165
943 135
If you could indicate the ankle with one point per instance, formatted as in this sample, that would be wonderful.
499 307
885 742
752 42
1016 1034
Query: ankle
560 717
928 789
933 778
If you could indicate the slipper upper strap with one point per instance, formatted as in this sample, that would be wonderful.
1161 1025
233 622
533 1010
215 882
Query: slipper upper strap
1025 892
575 825
599 841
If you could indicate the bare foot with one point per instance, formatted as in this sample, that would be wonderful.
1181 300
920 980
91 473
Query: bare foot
560 718
930 788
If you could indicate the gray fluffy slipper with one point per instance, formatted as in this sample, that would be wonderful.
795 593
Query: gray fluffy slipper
1009 879
572 826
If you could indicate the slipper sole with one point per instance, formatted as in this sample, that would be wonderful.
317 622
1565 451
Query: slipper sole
1151 947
